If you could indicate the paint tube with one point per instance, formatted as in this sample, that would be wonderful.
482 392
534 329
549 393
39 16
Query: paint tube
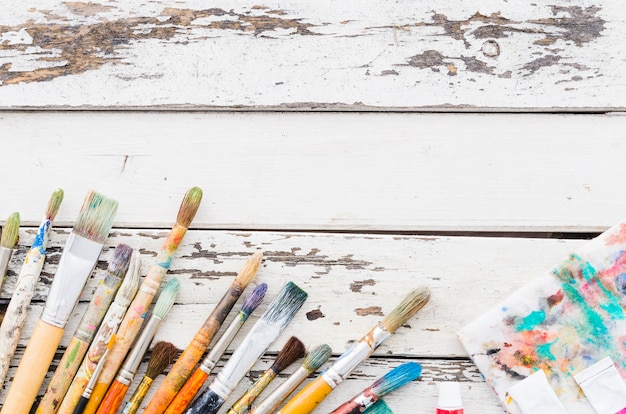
449 399
604 387
534 395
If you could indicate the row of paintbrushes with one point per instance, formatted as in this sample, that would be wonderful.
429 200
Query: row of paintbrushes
99 364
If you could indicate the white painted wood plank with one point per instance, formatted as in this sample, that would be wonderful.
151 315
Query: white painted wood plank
376 171
413 55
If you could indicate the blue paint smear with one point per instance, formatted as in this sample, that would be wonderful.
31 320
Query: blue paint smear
40 238
533 319
544 352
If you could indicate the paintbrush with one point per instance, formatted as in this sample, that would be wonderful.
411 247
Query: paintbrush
389 382
129 328
292 350
313 360
115 395
15 316
199 376
108 328
379 407
79 257
10 235
163 353
84 399
77 348
275 319
315 392
192 354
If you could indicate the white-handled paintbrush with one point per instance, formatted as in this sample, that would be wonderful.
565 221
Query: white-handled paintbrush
10 235
79 257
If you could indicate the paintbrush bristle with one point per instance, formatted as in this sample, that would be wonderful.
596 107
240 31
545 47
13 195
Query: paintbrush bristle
396 378
130 285
379 407
118 265
249 269
317 357
11 231
285 305
96 217
292 350
413 302
54 204
163 354
254 299
166 298
189 206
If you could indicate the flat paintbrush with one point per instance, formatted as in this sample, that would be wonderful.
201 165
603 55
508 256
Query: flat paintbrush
84 399
199 376
115 395
101 342
292 350
163 354
79 344
15 316
79 257
129 328
275 319
192 354
389 382
10 235
313 360
314 393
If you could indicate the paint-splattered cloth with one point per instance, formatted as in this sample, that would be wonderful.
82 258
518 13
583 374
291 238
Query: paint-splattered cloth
562 323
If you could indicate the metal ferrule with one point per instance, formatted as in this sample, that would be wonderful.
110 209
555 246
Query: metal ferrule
220 347
220 389
359 351
5 257
77 262
135 356
94 377
332 378
125 377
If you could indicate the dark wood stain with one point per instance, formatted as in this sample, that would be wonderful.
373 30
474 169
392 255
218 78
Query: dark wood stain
314 314
371 310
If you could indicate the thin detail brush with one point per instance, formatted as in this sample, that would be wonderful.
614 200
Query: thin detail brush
314 393
79 257
313 360
10 236
192 354
163 354
115 395
129 328
107 330
292 350
275 319
84 399
391 381
15 316
199 376
84 334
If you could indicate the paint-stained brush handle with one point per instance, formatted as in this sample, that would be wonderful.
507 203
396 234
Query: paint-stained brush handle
308 398
243 404
132 405
113 399
208 402
187 393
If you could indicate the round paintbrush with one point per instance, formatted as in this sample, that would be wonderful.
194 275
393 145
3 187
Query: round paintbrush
163 354
389 382
292 350
10 236
313 360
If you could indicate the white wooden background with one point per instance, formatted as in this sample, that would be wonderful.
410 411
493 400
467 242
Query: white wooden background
384 185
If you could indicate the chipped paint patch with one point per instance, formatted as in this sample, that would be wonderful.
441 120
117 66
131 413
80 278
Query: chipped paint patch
371 310
357 285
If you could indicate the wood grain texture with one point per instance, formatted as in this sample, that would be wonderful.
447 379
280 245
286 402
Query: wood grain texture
322 171
409 55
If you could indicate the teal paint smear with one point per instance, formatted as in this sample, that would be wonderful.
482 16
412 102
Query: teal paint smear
613 307
544 352
533 319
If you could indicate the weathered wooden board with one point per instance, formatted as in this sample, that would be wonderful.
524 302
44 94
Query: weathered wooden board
410 55
322 171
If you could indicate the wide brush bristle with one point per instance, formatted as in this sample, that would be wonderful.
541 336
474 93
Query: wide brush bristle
249 269
379 407
317 357
54 204
118 265
163 354
413 302
254 299
11 231
130 285
96 217
166 298
396 378
285 305
292 350
189 206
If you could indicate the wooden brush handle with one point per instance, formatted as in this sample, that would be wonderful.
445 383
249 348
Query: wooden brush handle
142 389
113 399
308 398
187 393
33 368
243 404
